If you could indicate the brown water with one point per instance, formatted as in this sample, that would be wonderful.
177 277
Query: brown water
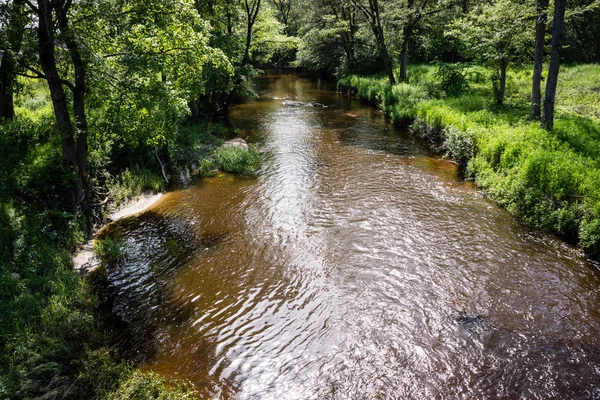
355 266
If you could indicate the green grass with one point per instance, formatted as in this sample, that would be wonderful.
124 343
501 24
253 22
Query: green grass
131 183
230 159
549 179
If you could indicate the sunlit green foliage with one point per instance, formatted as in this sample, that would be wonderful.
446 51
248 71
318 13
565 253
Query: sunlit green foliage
230 159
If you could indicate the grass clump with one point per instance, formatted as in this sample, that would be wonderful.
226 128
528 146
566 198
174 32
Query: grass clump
232 160
109 250
548 179
132 182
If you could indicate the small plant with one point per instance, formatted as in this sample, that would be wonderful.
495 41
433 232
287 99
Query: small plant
141 386
237 161
230 159
109 250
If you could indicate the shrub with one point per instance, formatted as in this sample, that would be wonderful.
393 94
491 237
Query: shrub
109 250
452 78
143 386
460 145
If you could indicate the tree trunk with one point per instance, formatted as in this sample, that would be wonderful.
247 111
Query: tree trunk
252 14
15 28
79 90
387 64
403 54
248 43
379 36
7 80
348 38
46 35
552 81
538 59
371 13
502 86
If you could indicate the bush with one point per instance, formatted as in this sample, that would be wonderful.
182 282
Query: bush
109 250
452 79
143 386
460 145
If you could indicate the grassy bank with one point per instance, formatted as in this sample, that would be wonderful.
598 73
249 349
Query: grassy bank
548 179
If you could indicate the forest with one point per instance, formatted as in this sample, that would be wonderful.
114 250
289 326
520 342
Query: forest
101 100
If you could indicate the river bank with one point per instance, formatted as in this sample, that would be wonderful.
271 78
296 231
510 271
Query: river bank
548 179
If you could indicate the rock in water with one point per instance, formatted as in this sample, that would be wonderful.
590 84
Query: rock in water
237 142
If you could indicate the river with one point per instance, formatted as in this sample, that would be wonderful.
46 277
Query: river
356 265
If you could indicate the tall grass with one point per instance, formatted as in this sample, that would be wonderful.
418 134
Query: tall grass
549 179
130 183
230 159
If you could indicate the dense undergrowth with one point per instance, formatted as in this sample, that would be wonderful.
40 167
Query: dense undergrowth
53 345
549 179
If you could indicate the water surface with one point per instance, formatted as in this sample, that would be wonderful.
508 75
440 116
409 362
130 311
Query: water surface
355 266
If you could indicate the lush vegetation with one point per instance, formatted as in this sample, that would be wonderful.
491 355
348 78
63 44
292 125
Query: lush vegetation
550 179
88 120
102 100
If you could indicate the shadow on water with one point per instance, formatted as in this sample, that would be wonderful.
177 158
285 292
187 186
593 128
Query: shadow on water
139 299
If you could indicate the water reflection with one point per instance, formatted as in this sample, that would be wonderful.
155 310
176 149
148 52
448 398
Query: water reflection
354 266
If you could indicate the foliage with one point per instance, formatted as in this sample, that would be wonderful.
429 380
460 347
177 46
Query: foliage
452 78
130 183
142 386
109 250
230 159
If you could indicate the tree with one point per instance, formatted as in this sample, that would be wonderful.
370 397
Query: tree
372 12
252 8
53 27
285 14
413 13
149 76
12 26
538 58
497 33
552 81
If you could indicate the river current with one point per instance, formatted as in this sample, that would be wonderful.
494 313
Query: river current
356 265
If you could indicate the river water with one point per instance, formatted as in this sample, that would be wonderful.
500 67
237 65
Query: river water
355 266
